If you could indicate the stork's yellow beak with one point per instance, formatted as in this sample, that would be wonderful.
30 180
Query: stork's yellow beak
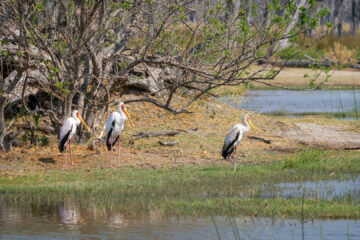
83 122
128 116
250 123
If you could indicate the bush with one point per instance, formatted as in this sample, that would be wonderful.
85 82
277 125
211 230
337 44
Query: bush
341 55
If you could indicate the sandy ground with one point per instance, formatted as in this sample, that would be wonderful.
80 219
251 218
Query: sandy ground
331 137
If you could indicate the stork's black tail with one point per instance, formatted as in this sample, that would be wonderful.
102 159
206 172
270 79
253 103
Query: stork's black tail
108 140
63 141
227 151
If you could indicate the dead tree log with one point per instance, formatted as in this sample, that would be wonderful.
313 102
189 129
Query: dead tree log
169 144
268 141
293 63
154 134
43 128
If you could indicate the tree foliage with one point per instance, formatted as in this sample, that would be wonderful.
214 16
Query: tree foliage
85 50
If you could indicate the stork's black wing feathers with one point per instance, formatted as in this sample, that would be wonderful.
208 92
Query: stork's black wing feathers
227 150
108 137
64 140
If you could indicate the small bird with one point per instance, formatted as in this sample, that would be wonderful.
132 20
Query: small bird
68 130
234 137
114 126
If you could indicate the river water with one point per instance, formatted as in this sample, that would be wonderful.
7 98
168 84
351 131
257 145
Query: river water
67 222
320 101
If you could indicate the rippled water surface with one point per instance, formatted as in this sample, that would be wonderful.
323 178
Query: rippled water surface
67 222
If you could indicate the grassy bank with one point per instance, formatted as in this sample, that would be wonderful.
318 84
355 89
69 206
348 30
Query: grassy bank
353 114
193 190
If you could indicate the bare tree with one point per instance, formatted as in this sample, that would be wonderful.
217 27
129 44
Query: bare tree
87 49
355 15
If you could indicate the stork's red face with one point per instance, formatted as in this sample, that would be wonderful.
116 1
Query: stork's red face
123 108
80 118
249 121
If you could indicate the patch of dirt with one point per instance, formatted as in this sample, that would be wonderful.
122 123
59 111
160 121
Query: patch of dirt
331 137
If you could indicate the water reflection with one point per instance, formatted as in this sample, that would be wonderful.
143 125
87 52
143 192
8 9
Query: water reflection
68 213
23 224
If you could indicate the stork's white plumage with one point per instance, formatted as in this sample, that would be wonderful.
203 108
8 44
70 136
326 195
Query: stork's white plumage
114 126
68 130
234 137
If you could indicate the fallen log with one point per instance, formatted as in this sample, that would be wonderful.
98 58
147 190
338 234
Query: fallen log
43 128
260 139
310 58
355 66
154 134
167 144
293 63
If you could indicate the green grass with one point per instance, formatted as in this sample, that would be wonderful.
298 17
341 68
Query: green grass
192 190
341 114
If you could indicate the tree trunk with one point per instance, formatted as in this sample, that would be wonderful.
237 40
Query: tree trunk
337 20
249 11
285 42
353 17
2 123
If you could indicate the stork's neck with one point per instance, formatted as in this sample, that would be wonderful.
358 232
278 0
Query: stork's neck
246 126
77 121
122 114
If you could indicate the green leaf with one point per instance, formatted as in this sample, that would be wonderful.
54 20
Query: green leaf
329 24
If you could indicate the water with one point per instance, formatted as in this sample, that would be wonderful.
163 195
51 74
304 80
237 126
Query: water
322 189
68 222
291 102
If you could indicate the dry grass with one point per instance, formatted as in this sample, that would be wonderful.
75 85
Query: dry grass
341 55
200 143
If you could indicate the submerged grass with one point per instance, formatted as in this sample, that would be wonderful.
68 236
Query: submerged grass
192 190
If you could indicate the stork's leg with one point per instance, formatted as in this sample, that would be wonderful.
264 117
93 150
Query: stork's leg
234 159
65 153
111 149
118 156
72 160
